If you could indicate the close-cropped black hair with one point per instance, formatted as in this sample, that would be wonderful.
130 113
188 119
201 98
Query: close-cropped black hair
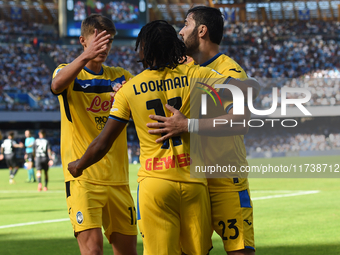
160 45
210 17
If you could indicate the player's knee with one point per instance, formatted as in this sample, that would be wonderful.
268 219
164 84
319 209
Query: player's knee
95 251
38 174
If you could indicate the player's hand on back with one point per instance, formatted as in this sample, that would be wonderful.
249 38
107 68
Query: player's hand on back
74 171
98 45
172 126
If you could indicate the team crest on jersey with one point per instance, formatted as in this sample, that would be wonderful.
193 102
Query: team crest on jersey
80 217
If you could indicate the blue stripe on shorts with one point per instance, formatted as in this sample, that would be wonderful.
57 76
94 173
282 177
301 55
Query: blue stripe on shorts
244 199
138 212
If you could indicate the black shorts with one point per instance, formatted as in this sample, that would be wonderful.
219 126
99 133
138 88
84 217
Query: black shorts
41 163
29 157
11 160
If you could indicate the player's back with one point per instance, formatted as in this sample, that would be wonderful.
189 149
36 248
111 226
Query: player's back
229 150
8 146
41 147
145 95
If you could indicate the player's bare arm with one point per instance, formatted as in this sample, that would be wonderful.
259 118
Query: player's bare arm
19 145
178 123
50 162
98 148
68 74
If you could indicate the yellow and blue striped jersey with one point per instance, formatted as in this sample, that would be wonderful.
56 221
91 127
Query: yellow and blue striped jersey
145 95
85 107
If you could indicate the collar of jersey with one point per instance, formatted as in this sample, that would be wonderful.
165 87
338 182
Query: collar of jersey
212 59
91 72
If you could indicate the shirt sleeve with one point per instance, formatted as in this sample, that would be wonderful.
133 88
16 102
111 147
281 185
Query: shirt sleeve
120 110
128 75
236 72
58 69
227 105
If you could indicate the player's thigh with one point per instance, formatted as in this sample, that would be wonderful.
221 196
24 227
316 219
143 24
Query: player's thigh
232 219
119 214
195 219
158 213
11 161
38 166
44 166
29 157
85 203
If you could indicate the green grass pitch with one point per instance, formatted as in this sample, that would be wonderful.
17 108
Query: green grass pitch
296 216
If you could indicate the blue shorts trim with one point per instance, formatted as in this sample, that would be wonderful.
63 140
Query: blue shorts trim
244 199
138 212
249 247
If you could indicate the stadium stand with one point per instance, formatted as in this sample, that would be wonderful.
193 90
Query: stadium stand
321 134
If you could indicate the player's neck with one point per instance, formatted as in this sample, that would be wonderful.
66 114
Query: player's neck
206 52
95 67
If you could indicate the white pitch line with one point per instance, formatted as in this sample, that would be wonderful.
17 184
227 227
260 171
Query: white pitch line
29 191
133 191
33 223
308 192
274 191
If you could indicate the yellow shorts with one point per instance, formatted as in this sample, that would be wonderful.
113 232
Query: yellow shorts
232 219
174 217
93 206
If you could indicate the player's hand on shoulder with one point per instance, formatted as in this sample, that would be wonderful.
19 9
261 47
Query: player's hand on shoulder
73 169
117 87
171 126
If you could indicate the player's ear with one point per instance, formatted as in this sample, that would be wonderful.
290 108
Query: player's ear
202 30
82 40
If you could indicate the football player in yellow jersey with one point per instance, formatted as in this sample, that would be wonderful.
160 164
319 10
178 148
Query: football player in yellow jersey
232 209
101 196
173 208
